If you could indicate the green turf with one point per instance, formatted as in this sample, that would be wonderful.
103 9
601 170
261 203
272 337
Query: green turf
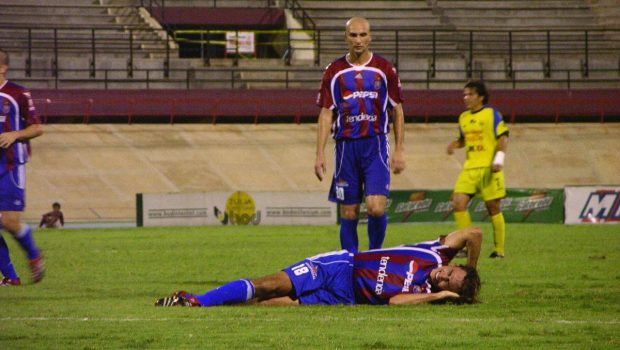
558 288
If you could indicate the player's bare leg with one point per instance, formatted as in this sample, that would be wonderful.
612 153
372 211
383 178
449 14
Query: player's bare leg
460 201
272 286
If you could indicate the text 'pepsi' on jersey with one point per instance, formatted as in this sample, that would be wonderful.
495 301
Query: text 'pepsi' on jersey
359 96
17 112
381 274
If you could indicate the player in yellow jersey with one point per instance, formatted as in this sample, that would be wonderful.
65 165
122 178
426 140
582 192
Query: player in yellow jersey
485 138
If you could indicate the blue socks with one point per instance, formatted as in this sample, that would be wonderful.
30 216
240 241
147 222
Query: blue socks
348 235
6 265
26 241
376 231
232 293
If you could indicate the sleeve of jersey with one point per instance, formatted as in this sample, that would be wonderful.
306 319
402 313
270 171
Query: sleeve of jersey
26 106
498 124
461 135
395 91
324 98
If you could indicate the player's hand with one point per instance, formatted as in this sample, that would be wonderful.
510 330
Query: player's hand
450 149
444 294
7 139
319 168
397 163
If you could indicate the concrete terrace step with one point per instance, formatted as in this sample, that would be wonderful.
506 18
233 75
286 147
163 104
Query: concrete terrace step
514 4
524 13
50 3
370 14
364 5
378 23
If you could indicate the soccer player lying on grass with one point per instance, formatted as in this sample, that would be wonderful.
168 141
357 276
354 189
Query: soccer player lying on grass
408 274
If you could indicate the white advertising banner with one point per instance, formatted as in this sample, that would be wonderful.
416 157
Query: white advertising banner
235 208
240 43
592 204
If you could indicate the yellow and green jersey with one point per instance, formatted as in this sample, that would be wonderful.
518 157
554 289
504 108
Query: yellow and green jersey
480 131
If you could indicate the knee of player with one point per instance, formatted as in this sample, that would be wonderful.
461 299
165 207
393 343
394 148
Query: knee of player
349 212
12 225
475 232
376 211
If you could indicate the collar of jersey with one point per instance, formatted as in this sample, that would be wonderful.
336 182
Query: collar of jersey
346 57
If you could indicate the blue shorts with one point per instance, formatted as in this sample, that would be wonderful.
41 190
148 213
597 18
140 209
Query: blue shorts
12 189
361 169
324 279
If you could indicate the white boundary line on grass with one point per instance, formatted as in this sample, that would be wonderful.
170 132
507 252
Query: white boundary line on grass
165 319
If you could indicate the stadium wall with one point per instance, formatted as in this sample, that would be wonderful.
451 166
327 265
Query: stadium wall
95 170
298 105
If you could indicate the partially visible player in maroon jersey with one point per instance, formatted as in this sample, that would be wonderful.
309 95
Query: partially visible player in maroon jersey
358 92
18 124
54 218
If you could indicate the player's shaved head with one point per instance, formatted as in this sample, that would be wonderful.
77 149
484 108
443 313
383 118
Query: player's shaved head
361 21
4 57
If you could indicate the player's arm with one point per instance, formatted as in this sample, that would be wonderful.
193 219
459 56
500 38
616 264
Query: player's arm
398 158
454 145
413 299
30 132
324 126
470 238
500 152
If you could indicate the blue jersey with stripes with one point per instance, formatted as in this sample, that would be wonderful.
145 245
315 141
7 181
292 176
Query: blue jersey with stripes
17 112
360 96
381 274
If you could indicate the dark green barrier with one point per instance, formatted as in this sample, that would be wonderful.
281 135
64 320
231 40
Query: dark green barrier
520 205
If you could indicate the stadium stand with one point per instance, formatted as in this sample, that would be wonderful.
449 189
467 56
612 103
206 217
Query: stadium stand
126 47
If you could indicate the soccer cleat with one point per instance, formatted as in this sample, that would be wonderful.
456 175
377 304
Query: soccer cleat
5 282
37 269
496 255
180 298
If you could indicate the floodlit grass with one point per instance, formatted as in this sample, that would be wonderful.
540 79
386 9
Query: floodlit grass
558 288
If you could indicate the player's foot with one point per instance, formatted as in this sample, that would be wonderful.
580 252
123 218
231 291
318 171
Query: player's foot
5 282
37 268
496 255
180 298
461 253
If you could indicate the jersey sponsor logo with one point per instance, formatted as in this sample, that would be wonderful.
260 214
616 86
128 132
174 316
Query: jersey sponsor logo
601 206
360 94
360 118
413 267
382 274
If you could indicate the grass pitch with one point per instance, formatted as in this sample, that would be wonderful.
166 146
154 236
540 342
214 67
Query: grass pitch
558 288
